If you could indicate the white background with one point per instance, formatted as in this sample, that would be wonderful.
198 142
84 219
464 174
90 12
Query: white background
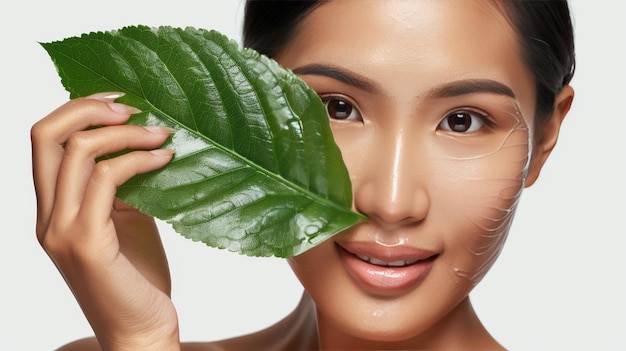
557 286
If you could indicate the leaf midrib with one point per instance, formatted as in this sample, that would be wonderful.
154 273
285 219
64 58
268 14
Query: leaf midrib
277 177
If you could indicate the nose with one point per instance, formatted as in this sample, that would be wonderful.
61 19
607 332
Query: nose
391 188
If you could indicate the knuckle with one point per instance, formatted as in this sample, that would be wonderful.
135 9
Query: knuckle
40 130
55 239
40 231
77 141
69 244
87 107
83 103
49 245
103 171
64 252
53 243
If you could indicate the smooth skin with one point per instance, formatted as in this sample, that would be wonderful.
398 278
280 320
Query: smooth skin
111 255
100 245
418 190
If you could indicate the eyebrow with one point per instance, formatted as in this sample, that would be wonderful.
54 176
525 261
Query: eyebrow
339 74
471 86
451 89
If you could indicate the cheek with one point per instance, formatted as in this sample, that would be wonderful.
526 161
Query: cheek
315 267
476 206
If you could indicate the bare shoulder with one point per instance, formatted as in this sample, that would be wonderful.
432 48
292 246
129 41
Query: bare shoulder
297 331
91 344
87 344
267 339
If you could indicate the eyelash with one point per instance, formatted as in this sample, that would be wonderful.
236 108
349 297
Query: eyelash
347 104
351 112
484 119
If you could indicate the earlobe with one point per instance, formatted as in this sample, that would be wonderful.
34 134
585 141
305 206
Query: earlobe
549 134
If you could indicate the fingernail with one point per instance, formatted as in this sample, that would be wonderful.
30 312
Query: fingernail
159 129
121 108
106 96
162 152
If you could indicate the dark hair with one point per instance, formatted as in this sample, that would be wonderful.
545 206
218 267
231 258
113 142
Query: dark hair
544 29
268 25
546 38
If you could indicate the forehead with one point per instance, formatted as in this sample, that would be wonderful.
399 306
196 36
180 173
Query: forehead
410 45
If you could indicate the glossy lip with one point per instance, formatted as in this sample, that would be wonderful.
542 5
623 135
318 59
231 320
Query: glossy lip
385 280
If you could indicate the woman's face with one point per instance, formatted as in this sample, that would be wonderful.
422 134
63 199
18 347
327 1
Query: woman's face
430 105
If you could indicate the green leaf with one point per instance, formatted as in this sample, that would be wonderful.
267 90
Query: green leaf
256 170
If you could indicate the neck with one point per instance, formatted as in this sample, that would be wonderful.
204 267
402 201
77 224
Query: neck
460 329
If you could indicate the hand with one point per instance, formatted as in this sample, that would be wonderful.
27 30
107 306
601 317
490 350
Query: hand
109 254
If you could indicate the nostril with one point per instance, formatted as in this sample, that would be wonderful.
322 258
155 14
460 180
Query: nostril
405 207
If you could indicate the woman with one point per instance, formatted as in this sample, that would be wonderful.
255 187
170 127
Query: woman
443 110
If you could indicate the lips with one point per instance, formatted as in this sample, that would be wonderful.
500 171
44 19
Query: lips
377 262
385 271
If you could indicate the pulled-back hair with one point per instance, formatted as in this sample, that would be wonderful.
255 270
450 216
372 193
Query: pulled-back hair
544 30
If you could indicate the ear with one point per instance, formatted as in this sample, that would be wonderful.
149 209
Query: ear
549 134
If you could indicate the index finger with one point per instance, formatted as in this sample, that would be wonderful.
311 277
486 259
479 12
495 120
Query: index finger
49 135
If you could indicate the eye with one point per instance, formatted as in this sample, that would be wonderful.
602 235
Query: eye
340 108
463 121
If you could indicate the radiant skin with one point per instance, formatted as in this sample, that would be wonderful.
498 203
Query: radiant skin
432 108
430 193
